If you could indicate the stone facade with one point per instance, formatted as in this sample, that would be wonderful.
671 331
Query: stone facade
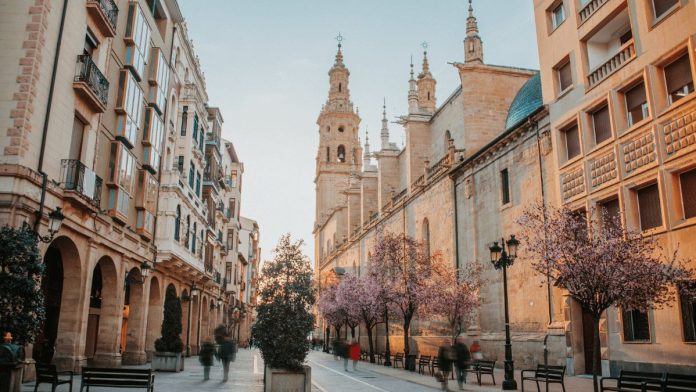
99 120
617 77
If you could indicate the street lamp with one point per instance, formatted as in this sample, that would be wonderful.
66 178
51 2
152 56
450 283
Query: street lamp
55 220
193 292
502 259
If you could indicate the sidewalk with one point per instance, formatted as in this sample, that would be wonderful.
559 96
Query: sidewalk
572 384
246 375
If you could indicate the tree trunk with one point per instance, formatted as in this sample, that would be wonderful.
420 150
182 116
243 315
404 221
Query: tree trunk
327 339
369 340
407 325
595 354
352 332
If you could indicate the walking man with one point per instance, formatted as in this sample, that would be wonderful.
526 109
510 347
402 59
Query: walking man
462 362
226 353
205 356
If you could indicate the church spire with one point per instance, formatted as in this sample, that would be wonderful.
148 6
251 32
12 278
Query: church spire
473 46
385 127
412 93
426 84
366 155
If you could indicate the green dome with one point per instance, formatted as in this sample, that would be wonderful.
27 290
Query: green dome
527 101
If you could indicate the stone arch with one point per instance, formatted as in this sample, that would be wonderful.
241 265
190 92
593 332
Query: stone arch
106 312
60 334
341 153
154 316
134 317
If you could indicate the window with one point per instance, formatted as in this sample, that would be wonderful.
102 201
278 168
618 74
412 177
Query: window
198 184
340 87
426 237
130 108
601 124
184 121
188 230
195 127
636 326
572 141
504 186
687 182
233 179
557 16
328 154
565 77
121 177
137 40
192 175
661 7
636 103
193 238
341 153
341 129
611 212
678 79
180 164
152 140
649 207
688 313
177 223
159 80
233 207
200 139
76 139
146 204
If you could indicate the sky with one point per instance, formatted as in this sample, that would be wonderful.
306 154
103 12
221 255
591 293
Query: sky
266 64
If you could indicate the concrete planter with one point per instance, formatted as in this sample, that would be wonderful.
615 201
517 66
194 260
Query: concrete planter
282 380
167 362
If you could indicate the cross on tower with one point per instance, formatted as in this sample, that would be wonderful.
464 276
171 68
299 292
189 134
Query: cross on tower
339 38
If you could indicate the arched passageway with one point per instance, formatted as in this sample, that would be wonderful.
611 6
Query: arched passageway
155 313
132 344
105 314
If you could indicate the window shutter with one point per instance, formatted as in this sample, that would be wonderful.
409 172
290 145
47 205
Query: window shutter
565 76
662 6
602 124
678 74
649 207
572 141
688 193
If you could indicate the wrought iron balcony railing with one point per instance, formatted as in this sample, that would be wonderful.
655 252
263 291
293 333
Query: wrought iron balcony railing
77 177
110 10
89 73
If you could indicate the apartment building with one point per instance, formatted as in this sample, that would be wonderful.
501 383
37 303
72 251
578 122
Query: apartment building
618 78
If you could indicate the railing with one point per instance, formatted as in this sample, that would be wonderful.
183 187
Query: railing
77 177
110 10
589 9
89 73
217 278
625 53
397 198
441 165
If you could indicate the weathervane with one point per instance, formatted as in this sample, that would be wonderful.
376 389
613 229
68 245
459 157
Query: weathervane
339 38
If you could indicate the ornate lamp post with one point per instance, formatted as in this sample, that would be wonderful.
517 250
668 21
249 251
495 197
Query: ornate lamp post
503 259
55 220
194 292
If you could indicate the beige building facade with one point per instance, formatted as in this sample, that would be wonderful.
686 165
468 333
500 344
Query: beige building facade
618 78
107 118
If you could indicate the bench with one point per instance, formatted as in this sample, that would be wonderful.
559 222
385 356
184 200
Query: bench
548 374
399 357
482 367
680 383
48 374
117 378
629 381
424 363
435 364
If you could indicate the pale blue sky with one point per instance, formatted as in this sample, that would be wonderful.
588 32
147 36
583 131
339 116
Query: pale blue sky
266 64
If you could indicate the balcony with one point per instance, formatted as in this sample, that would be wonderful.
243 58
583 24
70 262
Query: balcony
609 48
626 53
91 84
210 180
80 180
104 13
590 8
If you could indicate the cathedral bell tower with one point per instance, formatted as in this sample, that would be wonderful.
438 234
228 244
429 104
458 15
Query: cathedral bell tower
339 153
473 46
426 86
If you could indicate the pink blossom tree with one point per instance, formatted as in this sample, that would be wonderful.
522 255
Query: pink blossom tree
361 296
600 264
329 308
346 302
453 293
402 269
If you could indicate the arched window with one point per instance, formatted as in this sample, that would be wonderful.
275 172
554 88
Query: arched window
328 154
341 153
177 223
193 242
426 237
340 87
428 95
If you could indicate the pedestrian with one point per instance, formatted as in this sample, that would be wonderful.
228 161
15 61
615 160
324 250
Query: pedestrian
476 353
343 352
226 353
444 357
463 357
355 353
335 347
205 356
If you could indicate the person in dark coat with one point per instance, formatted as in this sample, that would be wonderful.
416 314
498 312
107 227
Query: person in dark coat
226 353
205 356
463 357
444 357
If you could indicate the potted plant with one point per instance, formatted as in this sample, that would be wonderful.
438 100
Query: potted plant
169 346
22 310
284 320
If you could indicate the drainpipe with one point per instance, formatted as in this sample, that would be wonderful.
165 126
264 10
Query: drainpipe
47 118
543 200
456 225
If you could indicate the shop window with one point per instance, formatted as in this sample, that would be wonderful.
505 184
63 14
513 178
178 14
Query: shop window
636 104
649 207
572 141
601 124
636 326
687 182
678 79
130 108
